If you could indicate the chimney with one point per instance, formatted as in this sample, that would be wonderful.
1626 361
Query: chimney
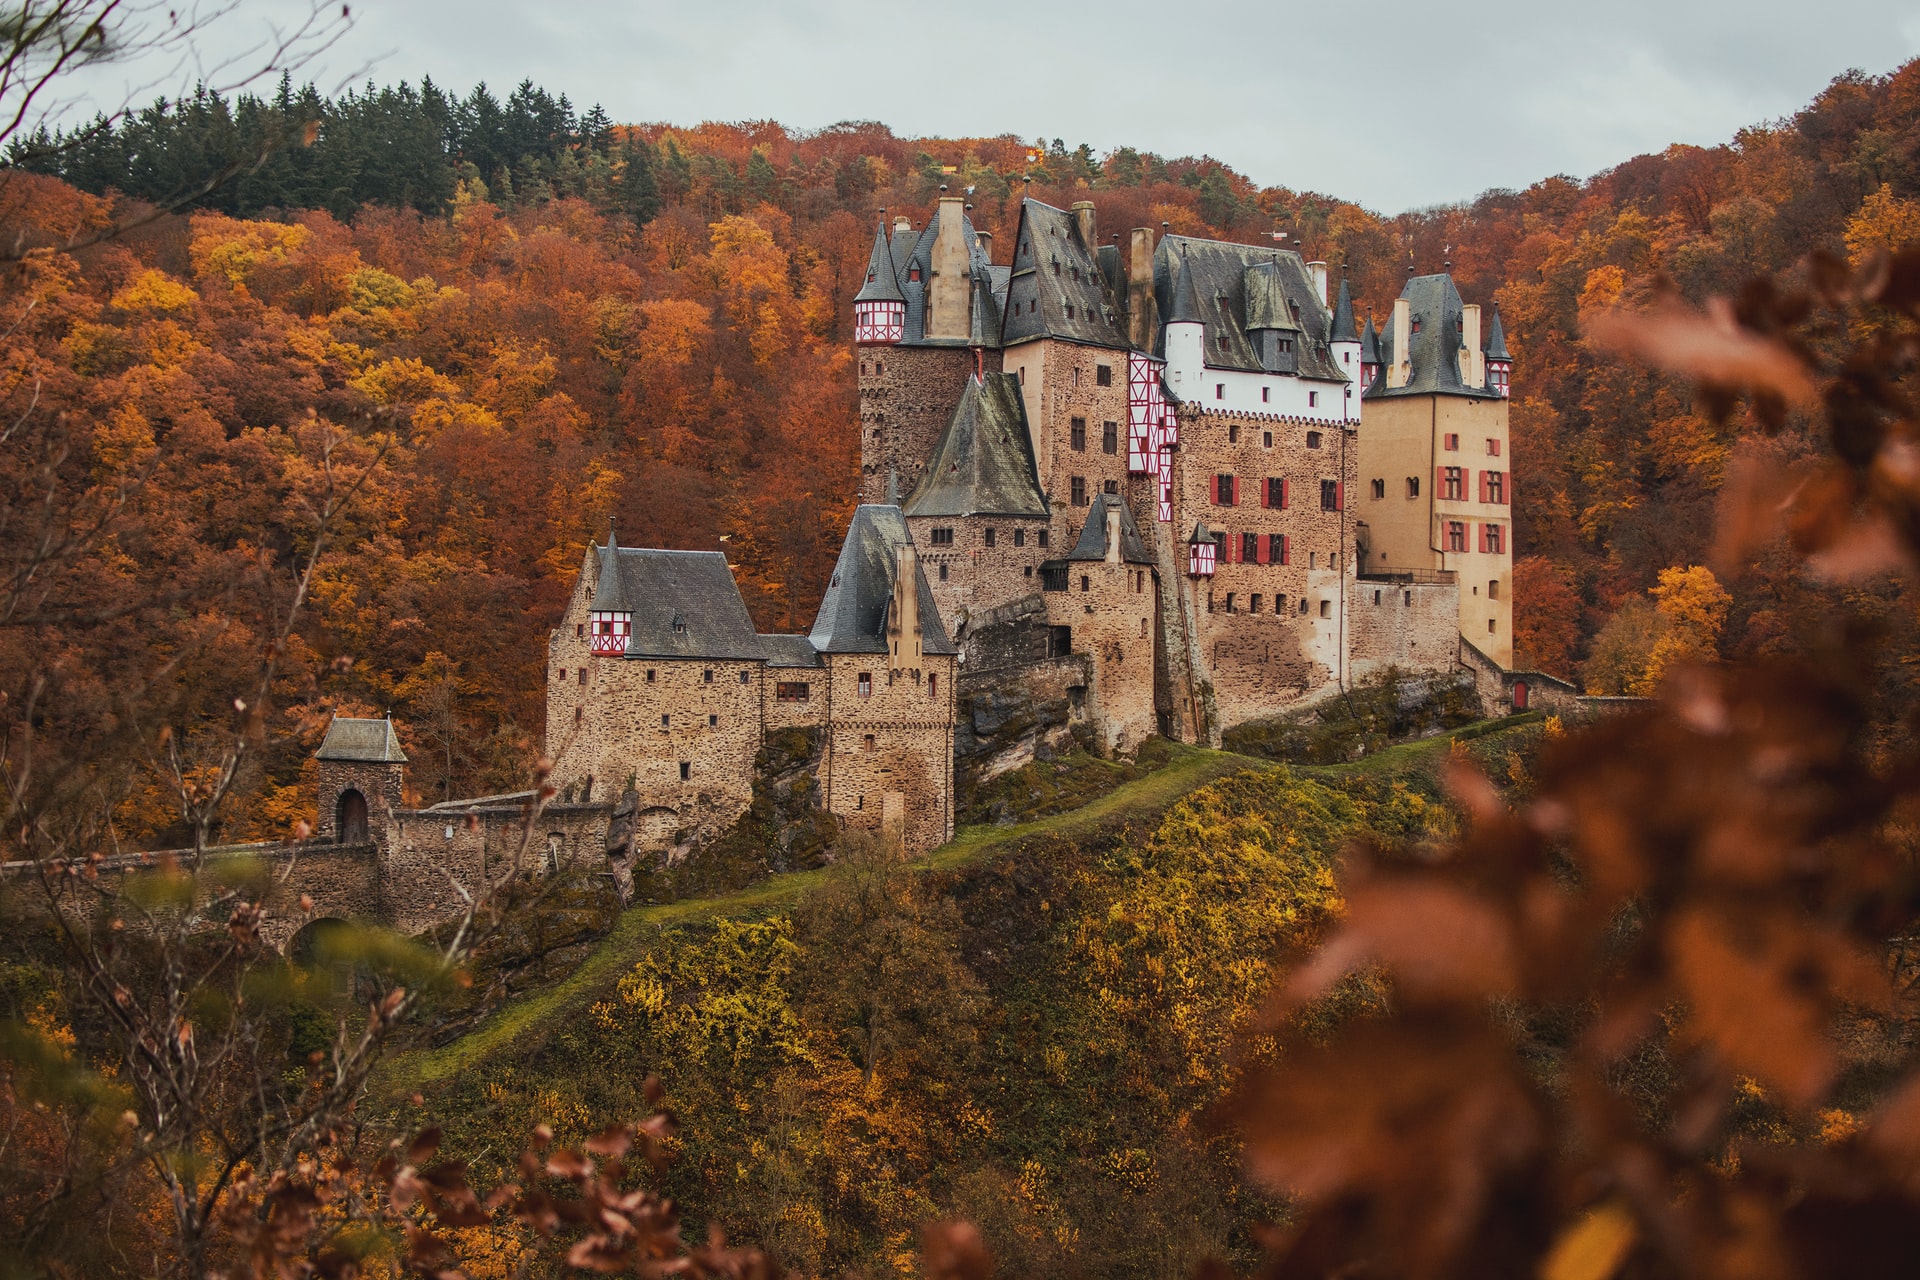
1400 372
902 225
949 291
1083 218
1319 270
1113 532
1140 303
1473 360
986 244
905 629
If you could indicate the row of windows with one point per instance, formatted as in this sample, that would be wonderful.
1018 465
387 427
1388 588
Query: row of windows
1256 603
1451 443
1220 393
1054 577
1453 486
943 537
1314 438
1077 488
1493 537
1275 493
706 676
1077 436
1102 373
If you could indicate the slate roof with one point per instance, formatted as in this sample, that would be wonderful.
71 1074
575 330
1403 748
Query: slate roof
882 285
1436 307
364 741
1220 275
789 651
1186 301
982 464
1370 343
853 614
1497 339
684 603
1093 535
1052 272
1343 328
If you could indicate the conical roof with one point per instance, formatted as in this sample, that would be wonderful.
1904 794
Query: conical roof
881 285
983 464
1342 328
1093 535
1186 300
1497 339
610 596
1370 343
1201 533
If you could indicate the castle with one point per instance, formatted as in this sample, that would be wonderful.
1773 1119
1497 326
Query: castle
1105 496
1170 491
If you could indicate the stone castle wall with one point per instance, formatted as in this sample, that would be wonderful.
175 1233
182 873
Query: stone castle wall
970 578
890 753
1413 627
1110 608
907 396
1059 382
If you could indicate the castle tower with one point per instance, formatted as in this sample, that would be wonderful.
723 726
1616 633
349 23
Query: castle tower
879 309
610 622
1370 356
1434 472
362 769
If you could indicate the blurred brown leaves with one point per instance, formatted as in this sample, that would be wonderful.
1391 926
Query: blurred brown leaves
1616 1009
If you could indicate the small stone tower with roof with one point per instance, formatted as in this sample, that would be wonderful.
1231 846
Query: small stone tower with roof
361 772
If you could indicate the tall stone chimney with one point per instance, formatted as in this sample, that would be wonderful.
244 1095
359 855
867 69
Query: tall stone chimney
1473 361
1400 372
903 630
950 289
1319 270
1113 532
1140 302
902 225
1083 218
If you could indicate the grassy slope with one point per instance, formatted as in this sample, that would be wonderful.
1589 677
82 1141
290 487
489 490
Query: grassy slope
513 1026
527 1021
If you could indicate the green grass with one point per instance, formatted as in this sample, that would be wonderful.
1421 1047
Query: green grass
1422 754
527 1017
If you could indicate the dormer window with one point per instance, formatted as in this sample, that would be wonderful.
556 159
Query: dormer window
913 273
1416 326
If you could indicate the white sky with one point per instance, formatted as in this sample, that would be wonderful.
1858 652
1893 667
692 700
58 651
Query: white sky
1423 104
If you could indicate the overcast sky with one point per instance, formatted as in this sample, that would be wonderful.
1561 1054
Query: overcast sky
1424 104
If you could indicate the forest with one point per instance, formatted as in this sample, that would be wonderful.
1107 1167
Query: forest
527 320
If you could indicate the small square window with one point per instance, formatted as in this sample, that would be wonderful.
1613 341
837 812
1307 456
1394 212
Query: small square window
1266 395
1110 437
649 675
1219 391
1379 488
866 741
1019 537
987 536
666 722
1110 486
1103 375
686 770
744 677
1042 536
1313 439
1313 399
1326 608
1450 442
1233 433
1229 602
583 677
706 676
1253 602
713 722
1266 439
580 631
1077 434
943 573
866 684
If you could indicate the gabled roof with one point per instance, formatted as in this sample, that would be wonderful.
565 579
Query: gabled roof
1055 274
1436 309
983 462
882 285
1342 329
684 603
1267 305
1497 339
853 613
789 651
362 741
1093 535
1220 272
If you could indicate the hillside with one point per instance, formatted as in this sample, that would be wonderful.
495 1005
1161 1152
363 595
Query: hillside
1030 1030
521 321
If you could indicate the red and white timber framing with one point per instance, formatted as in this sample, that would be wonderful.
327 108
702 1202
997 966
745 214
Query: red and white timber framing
609 633
879 322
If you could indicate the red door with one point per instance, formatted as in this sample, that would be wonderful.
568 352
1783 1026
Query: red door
1520 695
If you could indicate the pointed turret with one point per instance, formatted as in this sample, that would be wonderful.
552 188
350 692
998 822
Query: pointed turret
1343 328
1369 355
1186 299
610 619
983 464
1499 360
880 308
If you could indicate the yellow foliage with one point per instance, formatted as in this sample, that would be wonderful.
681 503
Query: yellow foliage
1884 222
234 250
154 291
1695 607
1603 288
401 381
671 329
438 415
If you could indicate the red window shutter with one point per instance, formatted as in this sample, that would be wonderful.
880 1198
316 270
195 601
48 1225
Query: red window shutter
1286 549
1233 490
1439 482
1283 491
1213 490
1483 486
1339 495
1260 550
